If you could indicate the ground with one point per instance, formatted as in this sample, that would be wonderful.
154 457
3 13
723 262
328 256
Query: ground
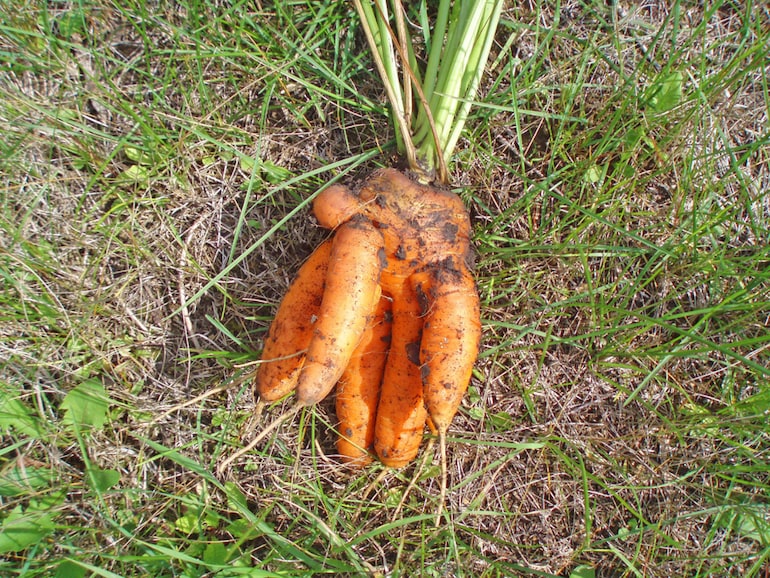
157 166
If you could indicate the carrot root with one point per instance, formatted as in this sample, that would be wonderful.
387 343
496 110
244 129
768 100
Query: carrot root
350 296
444 475
450 337
358 390
334 206
401 412
283 353
411 242
449 347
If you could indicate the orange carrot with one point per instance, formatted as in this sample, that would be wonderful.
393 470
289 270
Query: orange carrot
449 346
335 205
401 412
411 242
450 337
350 296
358 390
283 353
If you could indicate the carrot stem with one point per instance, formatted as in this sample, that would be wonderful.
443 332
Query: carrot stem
458 51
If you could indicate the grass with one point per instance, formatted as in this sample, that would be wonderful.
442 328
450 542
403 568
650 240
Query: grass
157 163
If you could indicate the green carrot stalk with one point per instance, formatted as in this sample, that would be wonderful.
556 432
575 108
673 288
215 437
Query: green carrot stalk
459 47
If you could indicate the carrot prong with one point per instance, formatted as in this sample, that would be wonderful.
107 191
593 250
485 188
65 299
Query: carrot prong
450 340
401 412
351 292
284 348
358 390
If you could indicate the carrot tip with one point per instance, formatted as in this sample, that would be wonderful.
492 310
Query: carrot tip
443 491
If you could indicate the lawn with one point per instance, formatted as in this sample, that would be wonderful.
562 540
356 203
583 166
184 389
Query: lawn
157 165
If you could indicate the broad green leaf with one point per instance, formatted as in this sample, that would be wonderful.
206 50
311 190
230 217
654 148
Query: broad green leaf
271 172
501 421
242 529
95 570
236 499
595 174
135 174
138 156
68 569
633 138
274 173
192 522
16 481
215 554
748 521
102 480
22 529
431 472
753 525
14 413
187 524
583 572
247 163
86 405
476 413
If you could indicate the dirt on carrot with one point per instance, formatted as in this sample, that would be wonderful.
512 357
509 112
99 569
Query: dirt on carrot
407 245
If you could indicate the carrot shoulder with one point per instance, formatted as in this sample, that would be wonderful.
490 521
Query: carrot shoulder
358 390
350 296
283 353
